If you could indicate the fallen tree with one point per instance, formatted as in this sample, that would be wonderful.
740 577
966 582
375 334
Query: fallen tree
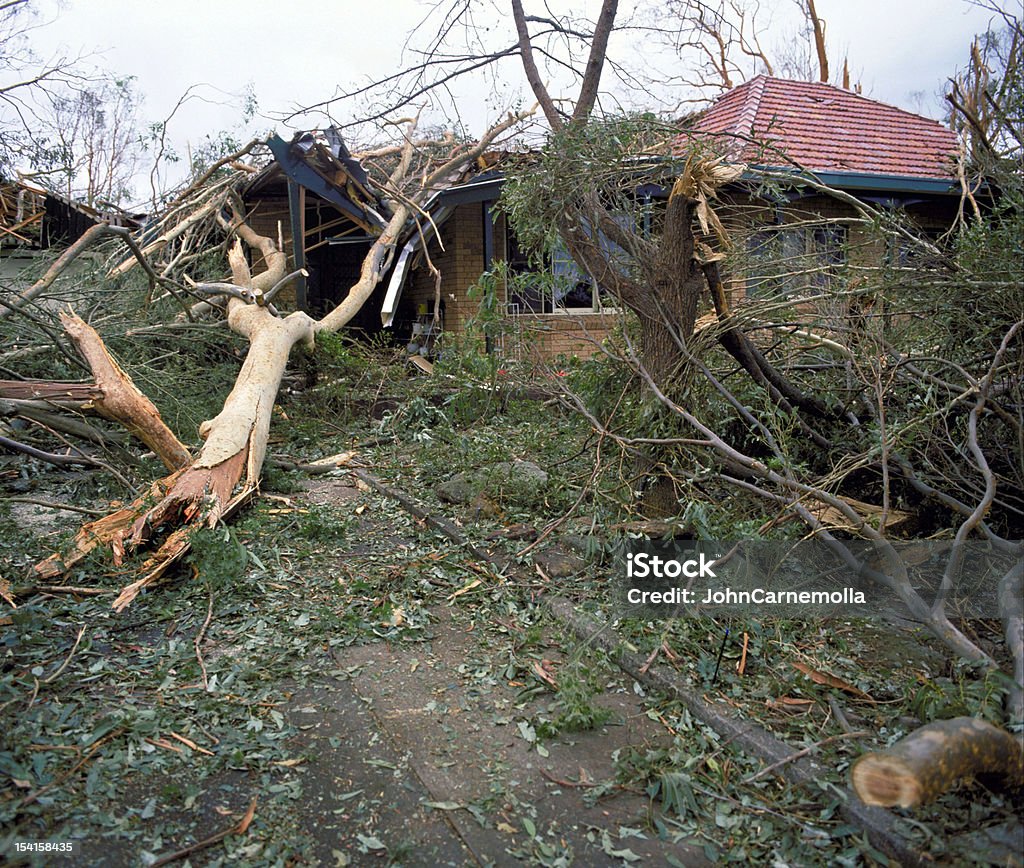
225 473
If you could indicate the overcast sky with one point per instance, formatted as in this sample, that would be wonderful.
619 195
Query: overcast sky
296 53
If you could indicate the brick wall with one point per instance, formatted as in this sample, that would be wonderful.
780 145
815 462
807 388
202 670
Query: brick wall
543 337
267 216
461 263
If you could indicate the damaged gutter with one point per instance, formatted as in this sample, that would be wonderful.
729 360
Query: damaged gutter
485 188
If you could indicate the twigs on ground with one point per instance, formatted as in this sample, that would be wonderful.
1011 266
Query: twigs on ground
51 678
56 782
239 828
201 635
767 770
52 504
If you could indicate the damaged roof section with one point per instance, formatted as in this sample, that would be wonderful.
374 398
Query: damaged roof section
319 162
335 206
483 188
34 218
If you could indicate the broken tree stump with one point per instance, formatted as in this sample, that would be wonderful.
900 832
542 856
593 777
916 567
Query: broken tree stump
933 759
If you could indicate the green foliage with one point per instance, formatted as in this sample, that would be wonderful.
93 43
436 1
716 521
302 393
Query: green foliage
573 709
601 155
417 417
962 695
321 523
217 556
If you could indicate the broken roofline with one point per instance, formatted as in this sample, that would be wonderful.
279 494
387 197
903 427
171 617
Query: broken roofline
297 170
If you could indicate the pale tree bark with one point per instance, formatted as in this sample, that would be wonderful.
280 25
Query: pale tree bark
226 472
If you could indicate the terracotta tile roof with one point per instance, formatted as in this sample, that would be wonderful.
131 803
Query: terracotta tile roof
826 128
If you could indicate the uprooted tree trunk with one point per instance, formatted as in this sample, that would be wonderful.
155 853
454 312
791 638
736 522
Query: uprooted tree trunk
226 472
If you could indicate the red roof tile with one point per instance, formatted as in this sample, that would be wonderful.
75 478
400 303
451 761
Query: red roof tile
826 128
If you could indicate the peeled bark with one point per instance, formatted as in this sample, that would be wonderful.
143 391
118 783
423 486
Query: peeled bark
120 400
934 759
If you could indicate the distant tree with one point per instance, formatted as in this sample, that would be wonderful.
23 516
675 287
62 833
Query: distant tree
92 142
725 43
28 84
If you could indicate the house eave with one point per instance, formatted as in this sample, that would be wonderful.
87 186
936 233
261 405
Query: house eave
478 190
863 181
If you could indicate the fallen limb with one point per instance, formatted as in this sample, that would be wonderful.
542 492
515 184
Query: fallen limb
934 759
88 239
238 829
48 457
120 400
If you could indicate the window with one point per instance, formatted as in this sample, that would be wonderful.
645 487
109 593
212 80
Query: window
555 284
785 261
903 252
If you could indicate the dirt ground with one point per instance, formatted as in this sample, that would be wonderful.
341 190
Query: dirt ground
372 695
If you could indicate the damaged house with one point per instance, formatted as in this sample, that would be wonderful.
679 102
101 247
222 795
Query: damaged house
876 153
319 199
34 219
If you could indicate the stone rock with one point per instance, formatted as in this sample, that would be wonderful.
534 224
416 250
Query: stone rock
461 488
492 481
559 564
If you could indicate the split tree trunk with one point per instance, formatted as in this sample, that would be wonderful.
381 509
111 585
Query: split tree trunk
226 473
934 759
200 493
120 400
666 317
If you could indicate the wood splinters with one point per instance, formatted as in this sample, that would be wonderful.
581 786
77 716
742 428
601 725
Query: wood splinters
934 759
